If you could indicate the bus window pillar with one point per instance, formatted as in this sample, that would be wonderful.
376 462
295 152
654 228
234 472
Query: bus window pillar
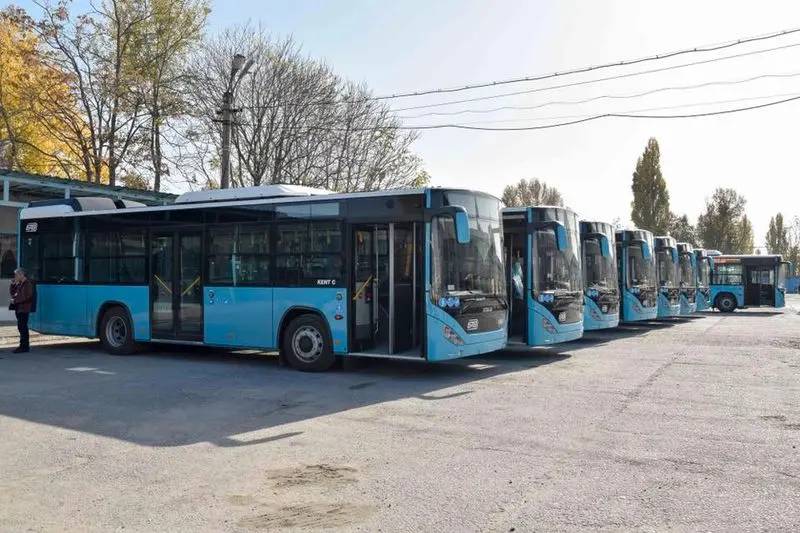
391 288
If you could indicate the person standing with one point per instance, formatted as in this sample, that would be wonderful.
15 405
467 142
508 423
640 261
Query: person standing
22 302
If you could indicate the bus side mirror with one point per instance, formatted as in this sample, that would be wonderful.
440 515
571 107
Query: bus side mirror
646 252
561 237
462 225
675 257
557 227
711 262
605 248
460 220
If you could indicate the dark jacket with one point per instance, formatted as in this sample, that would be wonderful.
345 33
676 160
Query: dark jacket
23 296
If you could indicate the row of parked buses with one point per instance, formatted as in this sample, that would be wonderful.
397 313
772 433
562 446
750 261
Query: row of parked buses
425 274
567 276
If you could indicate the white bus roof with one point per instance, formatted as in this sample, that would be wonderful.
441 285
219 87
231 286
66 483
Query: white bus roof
250 193
92 206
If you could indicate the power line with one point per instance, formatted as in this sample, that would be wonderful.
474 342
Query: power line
548 76
598 117
647 109
602 97
579 119
629 62
597 80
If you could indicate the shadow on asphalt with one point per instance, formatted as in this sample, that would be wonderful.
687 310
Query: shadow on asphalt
178 395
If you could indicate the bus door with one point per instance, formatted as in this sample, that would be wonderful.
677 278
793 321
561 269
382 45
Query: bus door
176 286
759 287
385 292
516 274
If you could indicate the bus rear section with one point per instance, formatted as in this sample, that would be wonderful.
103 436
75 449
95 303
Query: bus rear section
544 272
667 273
687 277
413 274
741 281
600 284
703 279
636 268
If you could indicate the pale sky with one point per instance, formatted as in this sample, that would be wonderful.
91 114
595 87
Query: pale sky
410 45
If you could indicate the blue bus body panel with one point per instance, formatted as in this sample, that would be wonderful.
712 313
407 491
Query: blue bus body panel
323 300
736 290
62 310
594 319
441 349
780 298
665 310
239 317
634 310
555 333
687 307
73 309
703 301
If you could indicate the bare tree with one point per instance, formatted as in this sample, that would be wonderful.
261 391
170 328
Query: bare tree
161 46
103 117
297 122
531 192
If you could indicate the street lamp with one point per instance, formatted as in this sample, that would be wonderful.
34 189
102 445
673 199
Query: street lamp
240 66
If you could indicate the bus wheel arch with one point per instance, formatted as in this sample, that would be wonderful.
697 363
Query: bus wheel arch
725 302
115 329
305 340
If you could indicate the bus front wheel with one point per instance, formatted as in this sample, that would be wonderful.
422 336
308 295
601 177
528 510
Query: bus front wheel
306 344
116 332
726 303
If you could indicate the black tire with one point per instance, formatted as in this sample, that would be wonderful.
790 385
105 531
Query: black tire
307 345
116 332
726 303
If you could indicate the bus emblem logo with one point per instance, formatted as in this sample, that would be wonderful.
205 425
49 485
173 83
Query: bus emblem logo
472 324
32 227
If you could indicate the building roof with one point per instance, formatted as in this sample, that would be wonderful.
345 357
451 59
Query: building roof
37 184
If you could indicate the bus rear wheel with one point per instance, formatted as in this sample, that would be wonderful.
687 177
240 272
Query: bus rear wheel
306 344
726 303
116 332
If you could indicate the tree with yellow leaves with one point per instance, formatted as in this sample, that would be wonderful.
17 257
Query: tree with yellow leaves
27 141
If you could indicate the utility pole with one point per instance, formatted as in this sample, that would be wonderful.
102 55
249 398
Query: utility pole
239 66
227 112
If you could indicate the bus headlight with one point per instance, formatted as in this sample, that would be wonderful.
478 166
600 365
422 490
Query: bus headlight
452 336
548 326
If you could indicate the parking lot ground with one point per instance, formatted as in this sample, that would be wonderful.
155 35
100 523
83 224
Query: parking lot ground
692 425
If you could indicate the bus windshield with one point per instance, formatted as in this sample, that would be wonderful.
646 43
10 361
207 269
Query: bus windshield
557 269
686 270
667 273
599 272
642 271
703 273
475 268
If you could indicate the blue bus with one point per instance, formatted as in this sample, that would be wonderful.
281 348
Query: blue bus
409 274
667 260
704 263
687 277
546 287
739 281
600 283
636 267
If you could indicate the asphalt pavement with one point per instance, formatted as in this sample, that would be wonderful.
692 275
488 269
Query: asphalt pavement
690 425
